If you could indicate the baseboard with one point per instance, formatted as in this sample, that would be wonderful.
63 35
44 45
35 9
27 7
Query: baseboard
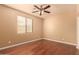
60 41
19 44
37 40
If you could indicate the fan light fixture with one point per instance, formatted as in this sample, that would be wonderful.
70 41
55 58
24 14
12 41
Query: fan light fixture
41 9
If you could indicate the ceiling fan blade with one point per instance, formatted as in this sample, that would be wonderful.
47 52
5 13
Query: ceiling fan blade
35 11
40 13
47 7
37 7
47 11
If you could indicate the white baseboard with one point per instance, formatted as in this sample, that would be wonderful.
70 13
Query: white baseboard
36 40
19 44
60 41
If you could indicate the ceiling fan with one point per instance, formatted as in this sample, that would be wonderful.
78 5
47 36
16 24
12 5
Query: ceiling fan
41 9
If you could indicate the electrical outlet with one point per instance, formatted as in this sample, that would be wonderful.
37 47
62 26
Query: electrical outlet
9 41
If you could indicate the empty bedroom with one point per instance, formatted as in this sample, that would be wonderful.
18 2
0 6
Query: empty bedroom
38 29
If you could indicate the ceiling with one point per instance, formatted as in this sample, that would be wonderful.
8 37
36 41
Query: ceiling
54 9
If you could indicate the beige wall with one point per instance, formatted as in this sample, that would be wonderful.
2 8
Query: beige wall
61 26
8 27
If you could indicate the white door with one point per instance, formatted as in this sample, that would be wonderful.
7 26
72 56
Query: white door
77 32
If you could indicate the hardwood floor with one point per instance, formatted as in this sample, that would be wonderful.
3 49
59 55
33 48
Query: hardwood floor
41 47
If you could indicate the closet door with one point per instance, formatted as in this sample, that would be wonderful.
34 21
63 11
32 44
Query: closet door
77 32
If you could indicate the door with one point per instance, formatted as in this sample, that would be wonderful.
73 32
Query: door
77 32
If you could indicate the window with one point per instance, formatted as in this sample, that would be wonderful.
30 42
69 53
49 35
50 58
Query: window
29 25
20 24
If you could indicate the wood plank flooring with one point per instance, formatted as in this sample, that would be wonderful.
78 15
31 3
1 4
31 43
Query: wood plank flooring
41 47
